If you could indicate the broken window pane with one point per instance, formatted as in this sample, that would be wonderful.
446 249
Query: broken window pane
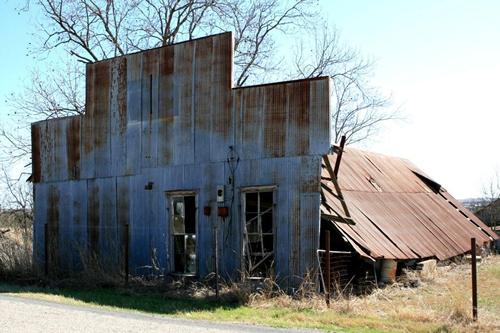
179 260
190 213
267 222
252 202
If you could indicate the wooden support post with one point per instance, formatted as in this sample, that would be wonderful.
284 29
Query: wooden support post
216 258
46 248
339 156
327 268
474 278
126 254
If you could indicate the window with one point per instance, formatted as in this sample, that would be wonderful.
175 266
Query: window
184 233
258 246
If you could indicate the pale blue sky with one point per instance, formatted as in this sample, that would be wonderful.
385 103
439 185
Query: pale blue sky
440 59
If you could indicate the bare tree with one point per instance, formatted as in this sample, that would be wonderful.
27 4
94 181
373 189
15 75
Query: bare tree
359 108
489 210
254 24
16 222
91 30
491 189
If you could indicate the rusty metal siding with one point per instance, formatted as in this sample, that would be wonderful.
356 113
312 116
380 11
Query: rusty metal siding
87 130
39 217
134 123
309 230
163 120
165 106
118 111
149 107
35 153
102 120
278 120
73 147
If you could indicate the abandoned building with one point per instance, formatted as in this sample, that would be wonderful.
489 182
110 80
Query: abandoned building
168 150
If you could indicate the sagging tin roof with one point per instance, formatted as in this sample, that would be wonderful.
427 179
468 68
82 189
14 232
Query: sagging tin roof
387 208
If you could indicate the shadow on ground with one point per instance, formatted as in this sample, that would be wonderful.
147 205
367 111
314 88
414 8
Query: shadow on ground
127 299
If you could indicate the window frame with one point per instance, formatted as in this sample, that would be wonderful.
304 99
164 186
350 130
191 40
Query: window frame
243 192
171 196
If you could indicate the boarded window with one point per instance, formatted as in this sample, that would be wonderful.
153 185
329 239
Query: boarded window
258 233
184 233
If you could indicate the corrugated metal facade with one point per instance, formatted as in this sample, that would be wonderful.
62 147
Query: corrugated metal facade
163 120
398 211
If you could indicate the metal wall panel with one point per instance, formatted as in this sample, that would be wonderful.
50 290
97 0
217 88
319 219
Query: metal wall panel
149 108
134 114
87 127
102 120
163 120
118 112
309 231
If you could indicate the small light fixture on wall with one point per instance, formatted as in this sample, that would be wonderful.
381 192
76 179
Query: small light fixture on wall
207 210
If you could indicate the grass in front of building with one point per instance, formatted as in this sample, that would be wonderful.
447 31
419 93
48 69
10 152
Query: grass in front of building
440 304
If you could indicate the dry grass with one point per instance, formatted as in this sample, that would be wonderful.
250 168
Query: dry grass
441 301
16 252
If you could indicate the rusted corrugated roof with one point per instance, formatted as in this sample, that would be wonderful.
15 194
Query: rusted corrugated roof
397 210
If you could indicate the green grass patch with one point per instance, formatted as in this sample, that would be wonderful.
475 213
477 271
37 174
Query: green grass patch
210 309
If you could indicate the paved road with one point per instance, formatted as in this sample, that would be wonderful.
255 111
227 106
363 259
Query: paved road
28 315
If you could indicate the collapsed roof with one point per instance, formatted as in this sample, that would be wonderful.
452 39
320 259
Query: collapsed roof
387 208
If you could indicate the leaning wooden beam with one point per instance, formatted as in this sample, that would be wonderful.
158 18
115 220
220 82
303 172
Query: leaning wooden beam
339 156
336 185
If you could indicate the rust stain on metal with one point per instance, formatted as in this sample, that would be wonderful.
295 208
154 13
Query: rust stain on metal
275 117
398 214
93 217
53 225
122 93
87 140
204 91
298 115
73 147
100 114
35 153
166 105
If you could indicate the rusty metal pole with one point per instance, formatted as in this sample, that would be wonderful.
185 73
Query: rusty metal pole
327 268
126 253
46 248
216 258
474 278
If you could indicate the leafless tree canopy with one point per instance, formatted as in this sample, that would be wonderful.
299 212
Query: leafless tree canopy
91 30
491 189
359 108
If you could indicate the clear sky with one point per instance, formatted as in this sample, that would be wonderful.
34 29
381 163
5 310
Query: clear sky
440 59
